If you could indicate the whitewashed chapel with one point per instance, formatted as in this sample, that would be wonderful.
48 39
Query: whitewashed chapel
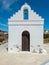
25 31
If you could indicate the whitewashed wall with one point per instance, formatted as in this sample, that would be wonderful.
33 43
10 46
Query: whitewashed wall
34 25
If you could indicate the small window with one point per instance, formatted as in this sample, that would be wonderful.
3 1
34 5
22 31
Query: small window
25 14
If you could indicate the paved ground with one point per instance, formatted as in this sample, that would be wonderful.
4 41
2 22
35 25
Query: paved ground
22 58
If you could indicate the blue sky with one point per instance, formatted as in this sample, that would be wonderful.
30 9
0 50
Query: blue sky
9 7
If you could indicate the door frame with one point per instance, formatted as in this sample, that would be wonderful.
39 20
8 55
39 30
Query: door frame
28 39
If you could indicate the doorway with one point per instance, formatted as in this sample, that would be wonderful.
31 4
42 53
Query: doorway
25 41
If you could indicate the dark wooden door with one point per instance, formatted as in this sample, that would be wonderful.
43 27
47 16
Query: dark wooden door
25 42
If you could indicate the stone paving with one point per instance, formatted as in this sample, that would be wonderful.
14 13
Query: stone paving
22 58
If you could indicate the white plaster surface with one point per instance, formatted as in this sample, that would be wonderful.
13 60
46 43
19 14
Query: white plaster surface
34 25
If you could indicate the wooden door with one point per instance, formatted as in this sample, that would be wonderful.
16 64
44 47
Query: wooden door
25 41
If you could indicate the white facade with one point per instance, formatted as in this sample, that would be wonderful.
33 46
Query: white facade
17 24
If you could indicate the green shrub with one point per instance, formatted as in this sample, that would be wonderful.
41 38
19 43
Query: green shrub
1 39
46 36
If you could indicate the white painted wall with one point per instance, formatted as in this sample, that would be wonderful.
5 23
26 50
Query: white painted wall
34 25
36 36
